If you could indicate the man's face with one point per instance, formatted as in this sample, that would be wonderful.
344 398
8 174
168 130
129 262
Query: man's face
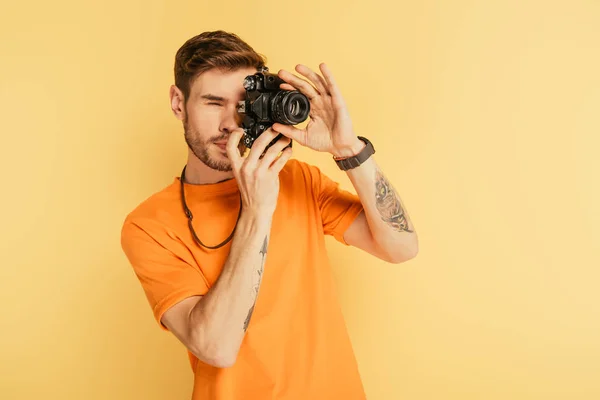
211 115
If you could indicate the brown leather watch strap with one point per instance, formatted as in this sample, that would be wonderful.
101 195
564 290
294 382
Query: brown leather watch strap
354 161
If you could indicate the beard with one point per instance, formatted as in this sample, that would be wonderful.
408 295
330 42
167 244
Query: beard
201 148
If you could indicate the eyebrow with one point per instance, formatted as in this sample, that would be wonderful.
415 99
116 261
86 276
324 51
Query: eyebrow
213 97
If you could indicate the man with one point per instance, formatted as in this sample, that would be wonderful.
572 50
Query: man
231 255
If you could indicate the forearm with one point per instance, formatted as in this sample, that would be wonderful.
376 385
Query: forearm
388 220
221 317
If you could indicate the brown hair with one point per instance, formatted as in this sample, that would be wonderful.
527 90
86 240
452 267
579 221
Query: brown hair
208 50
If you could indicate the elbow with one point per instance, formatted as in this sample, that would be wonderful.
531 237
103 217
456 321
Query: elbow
212 352
214 357
395 251
402 259
406 252
403 255
222 361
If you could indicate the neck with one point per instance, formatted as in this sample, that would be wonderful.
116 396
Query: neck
198 173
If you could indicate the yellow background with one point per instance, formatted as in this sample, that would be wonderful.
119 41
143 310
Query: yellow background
484 114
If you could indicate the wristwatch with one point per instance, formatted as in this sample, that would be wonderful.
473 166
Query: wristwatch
354 161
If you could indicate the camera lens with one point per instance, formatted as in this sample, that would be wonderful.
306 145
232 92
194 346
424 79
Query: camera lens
290 107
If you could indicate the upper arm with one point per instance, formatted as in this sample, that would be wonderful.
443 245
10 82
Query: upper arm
162 265
342 213
358 234
172 283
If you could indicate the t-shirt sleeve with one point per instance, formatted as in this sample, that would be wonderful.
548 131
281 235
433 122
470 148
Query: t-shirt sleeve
160 264
338 207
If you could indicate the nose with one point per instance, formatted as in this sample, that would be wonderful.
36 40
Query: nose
232 121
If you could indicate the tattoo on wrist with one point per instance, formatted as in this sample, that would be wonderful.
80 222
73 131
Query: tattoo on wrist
388 204
263 252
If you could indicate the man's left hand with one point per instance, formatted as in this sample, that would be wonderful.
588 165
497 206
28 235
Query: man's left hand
330 127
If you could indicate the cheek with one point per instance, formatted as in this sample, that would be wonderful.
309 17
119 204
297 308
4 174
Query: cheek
203 119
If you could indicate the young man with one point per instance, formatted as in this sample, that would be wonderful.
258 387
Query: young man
232 256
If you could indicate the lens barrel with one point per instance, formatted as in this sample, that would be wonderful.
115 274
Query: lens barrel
289 107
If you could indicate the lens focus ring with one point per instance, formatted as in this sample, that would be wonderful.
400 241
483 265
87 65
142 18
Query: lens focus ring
290 107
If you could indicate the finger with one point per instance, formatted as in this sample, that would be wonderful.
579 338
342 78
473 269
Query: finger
299 135
286 86
273 151
315 78
303 86
259 145
330 80
233 146
280 162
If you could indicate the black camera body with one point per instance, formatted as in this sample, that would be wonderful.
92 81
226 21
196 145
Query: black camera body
266 103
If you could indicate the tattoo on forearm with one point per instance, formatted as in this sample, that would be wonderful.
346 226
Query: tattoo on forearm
388 204
247 321
263 252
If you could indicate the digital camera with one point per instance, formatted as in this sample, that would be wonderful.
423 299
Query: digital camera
266 103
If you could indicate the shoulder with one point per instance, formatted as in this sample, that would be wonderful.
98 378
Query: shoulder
154 211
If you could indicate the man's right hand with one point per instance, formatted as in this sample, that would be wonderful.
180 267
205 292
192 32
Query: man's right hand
258 177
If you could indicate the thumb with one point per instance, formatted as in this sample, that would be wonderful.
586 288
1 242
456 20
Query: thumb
299 135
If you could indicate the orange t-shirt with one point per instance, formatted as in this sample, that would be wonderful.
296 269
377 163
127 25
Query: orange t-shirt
296 346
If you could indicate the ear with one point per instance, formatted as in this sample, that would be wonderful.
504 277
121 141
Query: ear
177 102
